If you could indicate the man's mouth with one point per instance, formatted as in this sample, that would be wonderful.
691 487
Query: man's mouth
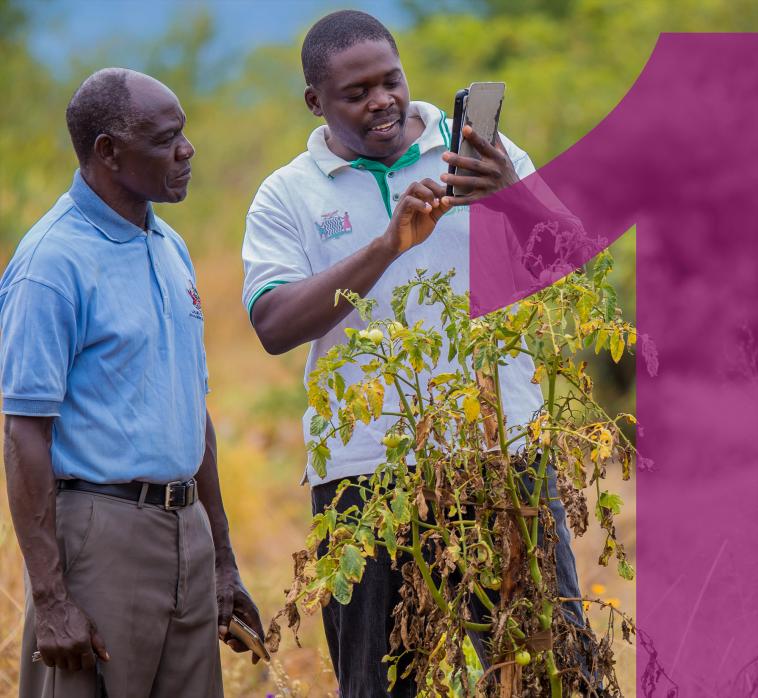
184 176
385 126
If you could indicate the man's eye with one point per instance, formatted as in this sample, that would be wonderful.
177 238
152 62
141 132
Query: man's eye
392 83
356 96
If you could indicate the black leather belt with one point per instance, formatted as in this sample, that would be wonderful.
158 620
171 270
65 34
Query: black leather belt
173 495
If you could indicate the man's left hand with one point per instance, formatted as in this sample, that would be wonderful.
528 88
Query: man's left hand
492 173
233 598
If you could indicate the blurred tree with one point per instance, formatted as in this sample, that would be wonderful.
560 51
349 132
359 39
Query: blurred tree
12 20
421 10
32 131
566 63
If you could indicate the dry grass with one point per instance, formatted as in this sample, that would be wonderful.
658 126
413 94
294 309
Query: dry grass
255 403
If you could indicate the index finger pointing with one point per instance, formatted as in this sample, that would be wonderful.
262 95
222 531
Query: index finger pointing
435 187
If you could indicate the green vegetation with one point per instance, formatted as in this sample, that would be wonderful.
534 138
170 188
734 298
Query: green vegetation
465 512
566 63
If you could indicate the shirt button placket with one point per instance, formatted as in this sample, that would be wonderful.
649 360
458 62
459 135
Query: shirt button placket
395 196
157 271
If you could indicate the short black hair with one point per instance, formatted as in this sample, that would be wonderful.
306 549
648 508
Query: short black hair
334 33
102 104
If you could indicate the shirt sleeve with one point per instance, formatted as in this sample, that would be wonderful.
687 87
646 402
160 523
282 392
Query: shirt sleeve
39 342
272 251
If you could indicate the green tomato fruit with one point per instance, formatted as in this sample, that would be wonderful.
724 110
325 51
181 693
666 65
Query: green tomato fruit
376 336
523 657
395 328
392 440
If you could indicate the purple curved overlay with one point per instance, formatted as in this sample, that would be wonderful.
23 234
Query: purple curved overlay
678 157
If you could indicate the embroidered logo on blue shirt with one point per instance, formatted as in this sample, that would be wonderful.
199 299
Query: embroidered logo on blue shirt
333 225
197 312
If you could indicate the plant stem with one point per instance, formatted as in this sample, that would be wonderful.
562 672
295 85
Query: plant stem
510 483
404 400
421 563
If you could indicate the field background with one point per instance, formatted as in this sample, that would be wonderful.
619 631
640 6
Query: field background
567 63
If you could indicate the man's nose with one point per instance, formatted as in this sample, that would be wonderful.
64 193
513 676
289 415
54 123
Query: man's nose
380 100
185 150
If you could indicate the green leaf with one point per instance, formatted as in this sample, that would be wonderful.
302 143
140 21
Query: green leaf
610 501
387 534
584 306
626 570
391 676
325 566
602 340
611 302
320 453
318 424
339 385
442 378
341 588
603 265
401 507
352 563
366 539
415 355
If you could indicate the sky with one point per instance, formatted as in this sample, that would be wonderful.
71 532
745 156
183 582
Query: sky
65 29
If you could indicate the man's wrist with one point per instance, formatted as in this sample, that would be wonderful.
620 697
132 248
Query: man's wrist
49 592
385 248
225 557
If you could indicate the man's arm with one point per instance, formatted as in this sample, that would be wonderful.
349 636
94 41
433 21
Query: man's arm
230 591
66 638
299 312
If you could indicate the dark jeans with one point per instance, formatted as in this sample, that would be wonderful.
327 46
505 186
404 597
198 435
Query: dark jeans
358 634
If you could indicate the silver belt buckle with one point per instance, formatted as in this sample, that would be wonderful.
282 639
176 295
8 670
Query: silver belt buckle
168 506
190 494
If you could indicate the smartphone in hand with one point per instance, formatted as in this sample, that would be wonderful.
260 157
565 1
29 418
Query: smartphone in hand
479 107
241 631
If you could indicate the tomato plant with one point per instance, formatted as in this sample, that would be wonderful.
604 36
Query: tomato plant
446 502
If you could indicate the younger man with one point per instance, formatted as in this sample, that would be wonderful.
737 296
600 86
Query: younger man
362 209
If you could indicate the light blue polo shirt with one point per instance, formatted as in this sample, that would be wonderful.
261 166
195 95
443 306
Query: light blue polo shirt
102 328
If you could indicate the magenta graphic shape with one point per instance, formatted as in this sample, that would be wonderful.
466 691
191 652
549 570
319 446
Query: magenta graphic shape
678 157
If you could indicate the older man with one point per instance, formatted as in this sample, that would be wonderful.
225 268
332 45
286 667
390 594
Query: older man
110 451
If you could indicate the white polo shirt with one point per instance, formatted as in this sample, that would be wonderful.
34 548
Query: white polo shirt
319 209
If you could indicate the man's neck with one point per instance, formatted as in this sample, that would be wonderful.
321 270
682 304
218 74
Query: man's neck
135 211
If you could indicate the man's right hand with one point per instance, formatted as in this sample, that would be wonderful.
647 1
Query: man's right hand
304 310
66 637
415 215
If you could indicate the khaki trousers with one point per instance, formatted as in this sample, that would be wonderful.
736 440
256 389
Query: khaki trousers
146 577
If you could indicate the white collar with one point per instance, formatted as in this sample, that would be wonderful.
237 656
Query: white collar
436 133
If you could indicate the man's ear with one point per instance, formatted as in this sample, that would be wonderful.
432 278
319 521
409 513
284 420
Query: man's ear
313 101
106 151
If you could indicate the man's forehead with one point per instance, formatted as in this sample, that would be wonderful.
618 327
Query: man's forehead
153 101
363 60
